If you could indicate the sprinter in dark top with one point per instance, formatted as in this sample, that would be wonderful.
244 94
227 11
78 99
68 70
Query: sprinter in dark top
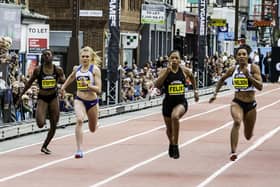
48 76
172 80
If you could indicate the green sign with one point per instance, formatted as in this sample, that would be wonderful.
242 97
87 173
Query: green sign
192 1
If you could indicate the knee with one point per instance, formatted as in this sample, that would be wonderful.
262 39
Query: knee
249 135
79 122
92 128
40 123
237 123
175 117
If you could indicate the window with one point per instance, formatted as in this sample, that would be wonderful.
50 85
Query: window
132 5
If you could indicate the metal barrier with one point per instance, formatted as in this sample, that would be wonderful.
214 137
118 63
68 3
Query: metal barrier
66 119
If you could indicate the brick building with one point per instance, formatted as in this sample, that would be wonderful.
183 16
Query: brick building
93 28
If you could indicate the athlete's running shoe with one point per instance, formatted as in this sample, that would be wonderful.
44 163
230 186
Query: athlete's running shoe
233 156
79 154
176 153
170 151
46 151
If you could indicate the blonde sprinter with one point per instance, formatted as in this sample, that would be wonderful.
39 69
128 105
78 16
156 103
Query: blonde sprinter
88 78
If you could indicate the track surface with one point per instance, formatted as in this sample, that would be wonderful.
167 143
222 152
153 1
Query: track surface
131 151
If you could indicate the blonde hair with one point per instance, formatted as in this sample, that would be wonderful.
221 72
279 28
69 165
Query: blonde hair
95 58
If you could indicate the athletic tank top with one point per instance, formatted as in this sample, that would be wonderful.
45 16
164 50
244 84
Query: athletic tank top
174 85
87 76
240 82
47 82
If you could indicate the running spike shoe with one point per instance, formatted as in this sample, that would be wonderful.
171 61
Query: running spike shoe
79 154
233 156
46 151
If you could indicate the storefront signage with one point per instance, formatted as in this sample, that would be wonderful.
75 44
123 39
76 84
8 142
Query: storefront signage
217 22
153 14
91 13
262 23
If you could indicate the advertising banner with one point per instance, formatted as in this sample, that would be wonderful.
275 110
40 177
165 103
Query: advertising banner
202 34
114 41
32 61
38 36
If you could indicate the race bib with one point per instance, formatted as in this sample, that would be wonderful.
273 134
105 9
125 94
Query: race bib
176 89
48 83
80 86
240 82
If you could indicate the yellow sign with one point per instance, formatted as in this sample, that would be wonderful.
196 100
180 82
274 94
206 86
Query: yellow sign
176 89
217 22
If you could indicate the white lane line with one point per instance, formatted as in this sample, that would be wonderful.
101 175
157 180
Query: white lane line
101 126
72 134
114 124
126 171
101 147
97 148
241 155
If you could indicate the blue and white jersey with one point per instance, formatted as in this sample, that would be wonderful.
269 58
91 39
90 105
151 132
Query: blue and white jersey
87 76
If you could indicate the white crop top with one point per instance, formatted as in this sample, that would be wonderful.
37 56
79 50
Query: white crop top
240 82
88 76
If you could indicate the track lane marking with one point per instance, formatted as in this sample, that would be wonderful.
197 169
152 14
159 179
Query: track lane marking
117 123
257 143
126 171
113 143
3 179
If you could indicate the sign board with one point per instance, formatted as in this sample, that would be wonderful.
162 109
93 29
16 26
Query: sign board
153 14
262 23
181 27
192 1
91 13
32 61
217 22
130 40
38 37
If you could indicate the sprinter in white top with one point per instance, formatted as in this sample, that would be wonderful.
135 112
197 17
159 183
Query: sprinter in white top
88 78
246 79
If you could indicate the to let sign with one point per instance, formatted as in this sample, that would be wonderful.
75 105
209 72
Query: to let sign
38 37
